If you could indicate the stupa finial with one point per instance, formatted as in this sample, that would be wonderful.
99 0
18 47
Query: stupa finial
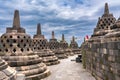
73 39
38 29
63 37
106 10
16 20
53 35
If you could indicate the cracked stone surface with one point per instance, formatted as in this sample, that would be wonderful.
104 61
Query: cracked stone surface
69 70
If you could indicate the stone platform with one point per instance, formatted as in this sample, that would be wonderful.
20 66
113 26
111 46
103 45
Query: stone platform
6 72
48 57
69 52
69 70
60 53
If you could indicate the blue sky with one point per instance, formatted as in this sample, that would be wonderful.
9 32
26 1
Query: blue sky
69 17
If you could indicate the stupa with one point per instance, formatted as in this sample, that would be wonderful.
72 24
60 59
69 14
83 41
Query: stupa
39 42
41 48
104 22
64 45
73 43
6 72
74 46
16 48
55 47
53 43
114 33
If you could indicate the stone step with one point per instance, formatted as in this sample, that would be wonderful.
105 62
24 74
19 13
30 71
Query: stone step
52 63
3 76
20 58
3 66
20 77
61 56
39 76
49 60
24 63
30 72
1 62
9 71
29 67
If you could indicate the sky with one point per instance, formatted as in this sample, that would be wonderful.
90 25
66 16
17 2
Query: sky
69 17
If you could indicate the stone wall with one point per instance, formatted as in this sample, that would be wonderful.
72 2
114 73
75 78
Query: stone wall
102 59
101 53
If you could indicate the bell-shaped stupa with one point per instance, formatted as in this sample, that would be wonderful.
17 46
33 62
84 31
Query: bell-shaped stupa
74 46
103 24
53 43
16 49
63 43
40 47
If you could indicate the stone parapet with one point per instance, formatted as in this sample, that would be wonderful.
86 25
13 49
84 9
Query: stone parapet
6 72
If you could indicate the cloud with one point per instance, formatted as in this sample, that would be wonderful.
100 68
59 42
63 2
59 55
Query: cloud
71 17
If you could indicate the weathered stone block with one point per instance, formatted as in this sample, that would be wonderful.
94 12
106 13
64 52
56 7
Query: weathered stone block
112 45
111 58
117 77
113 52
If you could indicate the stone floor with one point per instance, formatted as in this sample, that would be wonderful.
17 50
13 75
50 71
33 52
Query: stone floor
68 70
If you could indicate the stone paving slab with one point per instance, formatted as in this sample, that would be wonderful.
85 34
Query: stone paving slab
68 70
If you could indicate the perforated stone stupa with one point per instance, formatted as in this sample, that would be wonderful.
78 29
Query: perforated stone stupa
114 33
63 43
74 46
41 48
15 45
39 41
6 72
55 47
104 22
53 43
73 43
